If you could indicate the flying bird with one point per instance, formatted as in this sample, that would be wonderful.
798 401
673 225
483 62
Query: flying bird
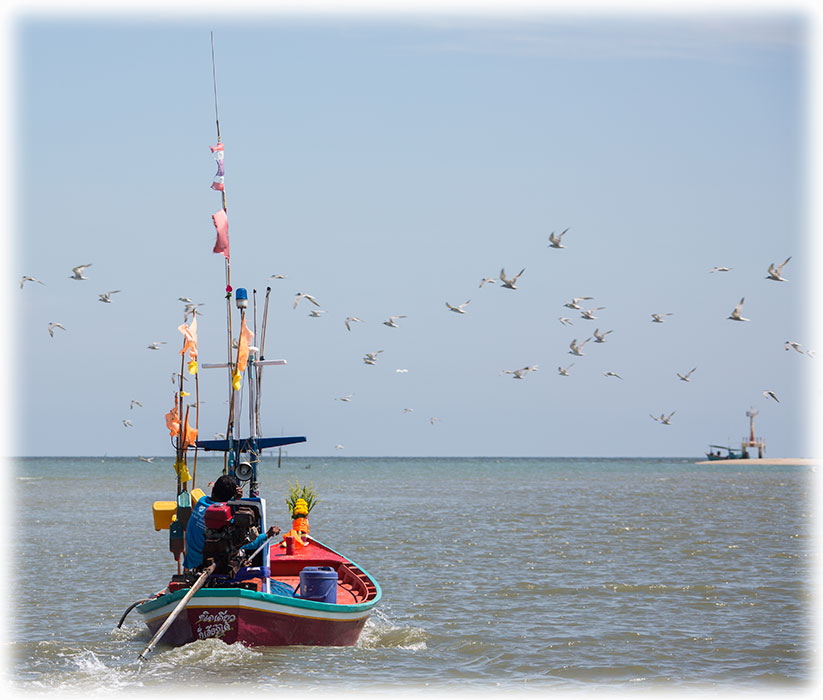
134 403
127 423
577 349
575 303
350 320
106 298
145 459
612 374
345 398
408 410
720 269
776 273
316 313
490 280
565 321
459 309
736 315
589 313
564 371
300 296
52 326
156 344
509 283
26 278
520 373
658 318
554 239
792 344
277 277
371 357
401 371
770 395
600 337
391 322
686 377
664 419
432 420
77 272
185 300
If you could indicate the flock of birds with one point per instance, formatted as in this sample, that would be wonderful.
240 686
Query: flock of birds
774 273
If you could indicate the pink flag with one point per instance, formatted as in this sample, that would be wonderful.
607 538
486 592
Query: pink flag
221 223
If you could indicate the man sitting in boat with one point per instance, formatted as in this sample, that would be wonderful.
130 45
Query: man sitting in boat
225 489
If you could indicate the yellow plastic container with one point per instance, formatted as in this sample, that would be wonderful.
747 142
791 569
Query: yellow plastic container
196 495
164 513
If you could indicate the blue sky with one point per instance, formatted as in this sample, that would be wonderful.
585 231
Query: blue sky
386 165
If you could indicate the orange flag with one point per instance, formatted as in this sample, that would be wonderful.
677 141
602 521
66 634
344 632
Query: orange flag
189 433
190 345
242 354
173 419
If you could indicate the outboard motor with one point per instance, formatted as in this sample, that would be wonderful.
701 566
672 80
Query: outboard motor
227 530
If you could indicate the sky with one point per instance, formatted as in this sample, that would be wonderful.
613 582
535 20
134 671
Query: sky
386 164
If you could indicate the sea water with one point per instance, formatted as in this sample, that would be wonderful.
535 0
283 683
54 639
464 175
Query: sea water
497 574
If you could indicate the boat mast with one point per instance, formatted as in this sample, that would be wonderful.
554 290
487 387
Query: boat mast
230 425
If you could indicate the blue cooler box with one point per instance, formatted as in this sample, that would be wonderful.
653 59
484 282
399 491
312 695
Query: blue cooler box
318 583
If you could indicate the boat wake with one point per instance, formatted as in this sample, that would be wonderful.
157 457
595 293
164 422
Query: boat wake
379 632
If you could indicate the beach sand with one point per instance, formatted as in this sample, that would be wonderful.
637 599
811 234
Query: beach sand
768 461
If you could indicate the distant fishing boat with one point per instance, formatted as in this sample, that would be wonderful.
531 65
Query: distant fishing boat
751 441
289 591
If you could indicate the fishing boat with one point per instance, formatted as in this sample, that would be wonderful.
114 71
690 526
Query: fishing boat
247 583
751 441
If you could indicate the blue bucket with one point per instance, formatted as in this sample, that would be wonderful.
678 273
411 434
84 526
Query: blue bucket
318 583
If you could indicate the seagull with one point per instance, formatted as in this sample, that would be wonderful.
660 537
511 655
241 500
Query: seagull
77 272
792 344
490 280
554 239
315 313
459 308
106 298
145 459
575 303
612 374
735 315
350 320
775 273
300 296
408 410
156 344
175 377
658 318
401 371
577 349
371 357
664 419
26 278
686 377
810 353
220 436
190 308
432 420
509 283
519 373
277 277
589 313
770 395
127 423
52 326
391 322
720 269
185 300
338 446
346 398
134 403
600 337
565 321
564 371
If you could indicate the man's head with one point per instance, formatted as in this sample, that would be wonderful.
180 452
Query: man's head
224 488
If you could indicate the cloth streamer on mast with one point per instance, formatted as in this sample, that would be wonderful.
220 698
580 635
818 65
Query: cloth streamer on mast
190 345
217 152
221 223
242 355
